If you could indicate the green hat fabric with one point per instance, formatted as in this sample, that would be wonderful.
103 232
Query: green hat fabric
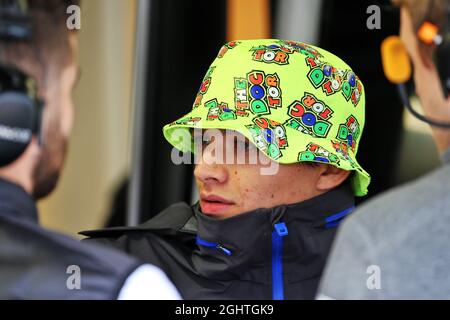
294 101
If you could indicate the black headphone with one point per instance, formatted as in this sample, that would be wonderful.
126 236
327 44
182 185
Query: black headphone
20 114
20 108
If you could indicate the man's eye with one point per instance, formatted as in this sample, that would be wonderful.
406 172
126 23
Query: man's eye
206 142
202 141
244 144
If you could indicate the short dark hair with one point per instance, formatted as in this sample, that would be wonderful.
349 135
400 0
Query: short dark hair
49 32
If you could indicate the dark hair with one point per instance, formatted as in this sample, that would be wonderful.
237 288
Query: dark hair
49 32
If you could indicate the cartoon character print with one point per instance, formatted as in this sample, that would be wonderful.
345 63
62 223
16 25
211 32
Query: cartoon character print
263 92
342 149
280 51
323 75
269 136
219 111
190 121
241 100
349 132
310 116
226 47
332 80
274 131
316 153
302 48
273 53
256 94
204 87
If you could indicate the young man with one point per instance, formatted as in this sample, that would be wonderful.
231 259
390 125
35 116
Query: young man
38 67
397 245
275 129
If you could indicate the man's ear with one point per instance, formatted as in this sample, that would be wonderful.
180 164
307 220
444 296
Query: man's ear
415 48
331 177
426 59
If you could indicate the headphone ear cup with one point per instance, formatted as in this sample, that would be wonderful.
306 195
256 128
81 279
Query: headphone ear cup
16 125
38 112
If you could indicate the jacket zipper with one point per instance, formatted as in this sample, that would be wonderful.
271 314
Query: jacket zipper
215 245
277 260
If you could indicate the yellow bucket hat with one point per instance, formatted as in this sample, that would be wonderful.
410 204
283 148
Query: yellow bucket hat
295 102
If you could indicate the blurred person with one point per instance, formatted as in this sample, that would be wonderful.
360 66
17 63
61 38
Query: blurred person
396 246
38 71
274 131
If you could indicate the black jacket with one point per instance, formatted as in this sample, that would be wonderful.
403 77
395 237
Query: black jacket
264 254
39 264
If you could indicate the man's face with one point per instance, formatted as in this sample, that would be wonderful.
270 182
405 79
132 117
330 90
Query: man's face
57 119
228 189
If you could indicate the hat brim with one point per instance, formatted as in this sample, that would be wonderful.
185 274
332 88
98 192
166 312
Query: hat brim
176 133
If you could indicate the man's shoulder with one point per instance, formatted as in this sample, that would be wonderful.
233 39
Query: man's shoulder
34 238
53 258
178 217
415 203
403 232
173 228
